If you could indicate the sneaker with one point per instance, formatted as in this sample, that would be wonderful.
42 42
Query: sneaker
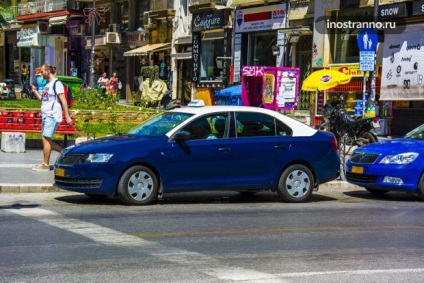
41 167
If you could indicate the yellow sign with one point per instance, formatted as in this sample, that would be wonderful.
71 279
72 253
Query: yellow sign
349 69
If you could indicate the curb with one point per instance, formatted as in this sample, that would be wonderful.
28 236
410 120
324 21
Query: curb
48 188
28 188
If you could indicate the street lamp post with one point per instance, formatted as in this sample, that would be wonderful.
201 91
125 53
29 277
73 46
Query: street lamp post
93 42
372 74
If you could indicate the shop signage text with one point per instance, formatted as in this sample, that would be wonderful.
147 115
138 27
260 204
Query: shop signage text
261 18
348 69
208 20
136 38
196 40
393 11
417 8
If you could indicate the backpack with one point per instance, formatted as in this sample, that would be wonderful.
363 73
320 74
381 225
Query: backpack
67 92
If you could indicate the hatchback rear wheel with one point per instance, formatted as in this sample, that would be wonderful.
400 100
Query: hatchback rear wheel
420 190
296 184
138 186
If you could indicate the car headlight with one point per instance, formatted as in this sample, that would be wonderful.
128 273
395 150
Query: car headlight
98 157
403 158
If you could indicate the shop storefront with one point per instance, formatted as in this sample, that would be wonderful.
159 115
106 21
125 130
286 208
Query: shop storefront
402 88
211 52
77 58
403 76
32 36
257 41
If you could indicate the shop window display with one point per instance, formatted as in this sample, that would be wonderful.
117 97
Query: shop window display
210 67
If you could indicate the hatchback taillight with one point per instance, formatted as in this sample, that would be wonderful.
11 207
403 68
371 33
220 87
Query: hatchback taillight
4 87
334 144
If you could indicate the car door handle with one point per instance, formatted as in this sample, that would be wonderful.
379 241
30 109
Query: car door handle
224 149
279 146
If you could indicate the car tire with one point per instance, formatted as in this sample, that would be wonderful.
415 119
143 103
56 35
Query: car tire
377 192
370 137
420 189
296 184
138 186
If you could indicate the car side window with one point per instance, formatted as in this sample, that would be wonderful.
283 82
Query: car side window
212 126
254 125
283 129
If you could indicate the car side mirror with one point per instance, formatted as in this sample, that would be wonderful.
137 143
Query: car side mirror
182 136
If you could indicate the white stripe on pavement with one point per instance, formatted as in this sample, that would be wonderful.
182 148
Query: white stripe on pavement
112 237
204 264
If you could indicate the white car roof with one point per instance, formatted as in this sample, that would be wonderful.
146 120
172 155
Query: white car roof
299 128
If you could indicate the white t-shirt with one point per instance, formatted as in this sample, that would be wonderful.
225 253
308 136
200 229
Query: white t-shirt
102 81
50 104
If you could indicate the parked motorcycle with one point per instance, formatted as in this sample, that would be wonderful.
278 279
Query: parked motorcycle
168 103
357 132
349 132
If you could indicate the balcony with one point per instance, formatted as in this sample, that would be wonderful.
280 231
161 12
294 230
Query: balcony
200 2
162 10
41 6
158 5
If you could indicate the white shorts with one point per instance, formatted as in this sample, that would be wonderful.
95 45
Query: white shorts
49 126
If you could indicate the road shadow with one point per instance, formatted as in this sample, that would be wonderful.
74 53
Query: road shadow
18 206
390 196
194 198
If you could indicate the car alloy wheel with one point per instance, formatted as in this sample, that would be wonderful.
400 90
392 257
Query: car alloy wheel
296 184
138 186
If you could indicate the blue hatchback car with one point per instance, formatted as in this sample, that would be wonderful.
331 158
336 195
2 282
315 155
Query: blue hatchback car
236 148
392 165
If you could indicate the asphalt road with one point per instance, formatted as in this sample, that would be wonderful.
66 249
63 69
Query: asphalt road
340 236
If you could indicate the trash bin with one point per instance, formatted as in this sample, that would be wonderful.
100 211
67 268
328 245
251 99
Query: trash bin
73 82
11 86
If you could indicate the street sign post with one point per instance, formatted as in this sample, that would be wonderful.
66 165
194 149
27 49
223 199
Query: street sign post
367 43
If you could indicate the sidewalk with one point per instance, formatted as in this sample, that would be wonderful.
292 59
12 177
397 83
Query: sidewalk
17 176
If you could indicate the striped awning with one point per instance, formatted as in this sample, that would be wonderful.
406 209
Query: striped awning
148 48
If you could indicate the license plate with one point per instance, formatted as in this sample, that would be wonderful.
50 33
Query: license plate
60 172
357 170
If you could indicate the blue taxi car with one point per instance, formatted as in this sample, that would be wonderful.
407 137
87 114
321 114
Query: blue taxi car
392 165
236 148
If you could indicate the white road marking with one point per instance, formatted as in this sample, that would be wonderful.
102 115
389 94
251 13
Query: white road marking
16 165
112 237
352 272
209 266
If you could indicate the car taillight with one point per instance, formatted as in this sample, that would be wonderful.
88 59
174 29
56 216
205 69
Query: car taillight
334 144
4 87
375 120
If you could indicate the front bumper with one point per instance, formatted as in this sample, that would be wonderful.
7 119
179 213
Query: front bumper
373 175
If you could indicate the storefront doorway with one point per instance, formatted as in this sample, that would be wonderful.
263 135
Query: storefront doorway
184 70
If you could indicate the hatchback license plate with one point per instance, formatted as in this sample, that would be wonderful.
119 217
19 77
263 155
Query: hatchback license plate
357 170
60 172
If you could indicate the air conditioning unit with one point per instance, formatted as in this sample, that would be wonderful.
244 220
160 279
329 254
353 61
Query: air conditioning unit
113 28
43 27
113 37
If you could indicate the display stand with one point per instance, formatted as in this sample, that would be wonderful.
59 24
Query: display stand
275 88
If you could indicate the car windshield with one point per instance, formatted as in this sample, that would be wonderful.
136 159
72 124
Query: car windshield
160 124
417 133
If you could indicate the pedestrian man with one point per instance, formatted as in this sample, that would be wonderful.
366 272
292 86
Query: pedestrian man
53 103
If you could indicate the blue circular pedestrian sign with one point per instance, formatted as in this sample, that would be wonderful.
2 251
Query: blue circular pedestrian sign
367 39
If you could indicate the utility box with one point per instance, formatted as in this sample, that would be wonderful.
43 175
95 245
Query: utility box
13 142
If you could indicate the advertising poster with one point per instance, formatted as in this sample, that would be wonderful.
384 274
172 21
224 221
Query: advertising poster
402 75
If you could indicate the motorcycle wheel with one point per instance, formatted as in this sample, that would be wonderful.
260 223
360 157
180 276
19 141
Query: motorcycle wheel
370 137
